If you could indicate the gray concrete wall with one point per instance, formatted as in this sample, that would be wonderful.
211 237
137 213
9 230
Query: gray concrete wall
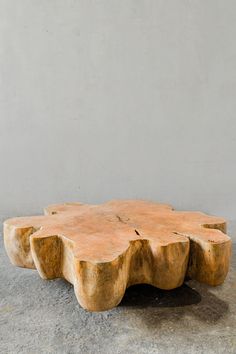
118 99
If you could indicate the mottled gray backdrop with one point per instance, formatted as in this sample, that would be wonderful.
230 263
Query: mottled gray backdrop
118 99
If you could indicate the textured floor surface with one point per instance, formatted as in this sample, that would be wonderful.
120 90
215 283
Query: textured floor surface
39 316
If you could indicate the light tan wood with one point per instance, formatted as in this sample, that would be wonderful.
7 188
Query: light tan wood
103 249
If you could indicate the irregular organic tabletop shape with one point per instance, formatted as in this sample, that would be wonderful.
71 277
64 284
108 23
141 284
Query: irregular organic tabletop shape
103 249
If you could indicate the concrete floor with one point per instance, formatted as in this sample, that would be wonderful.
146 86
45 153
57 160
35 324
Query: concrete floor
38 316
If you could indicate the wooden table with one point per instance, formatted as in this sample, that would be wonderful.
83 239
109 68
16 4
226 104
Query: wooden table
103 249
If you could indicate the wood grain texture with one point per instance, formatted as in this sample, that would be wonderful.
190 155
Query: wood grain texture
103 249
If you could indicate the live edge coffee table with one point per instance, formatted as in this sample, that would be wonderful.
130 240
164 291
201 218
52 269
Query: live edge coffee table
103 249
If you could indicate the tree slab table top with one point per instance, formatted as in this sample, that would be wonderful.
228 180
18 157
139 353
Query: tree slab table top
103 249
